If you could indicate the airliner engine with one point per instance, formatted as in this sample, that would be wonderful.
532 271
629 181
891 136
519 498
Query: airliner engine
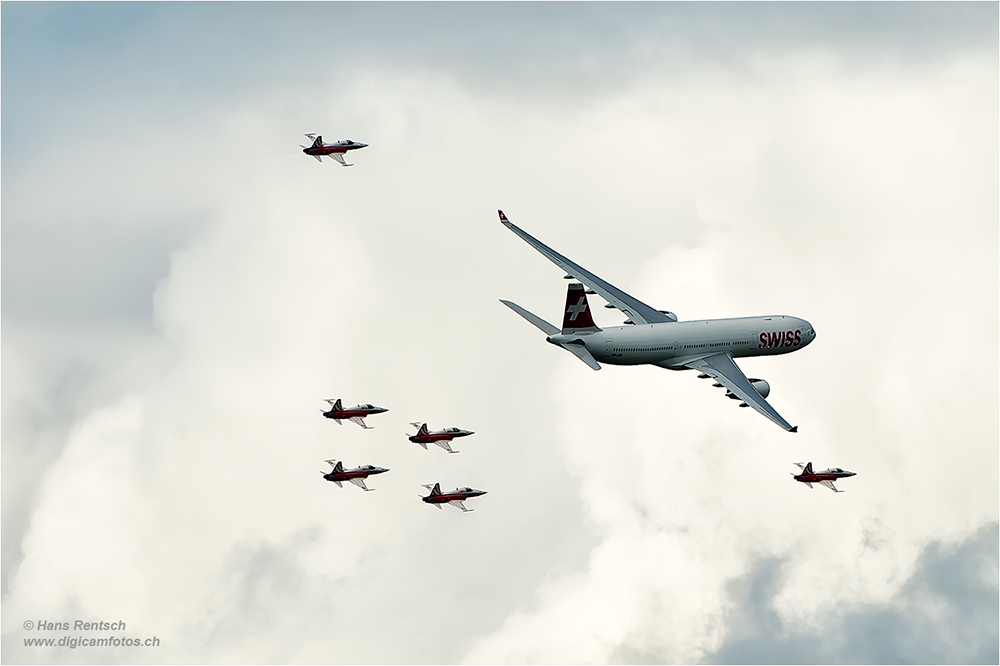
759 385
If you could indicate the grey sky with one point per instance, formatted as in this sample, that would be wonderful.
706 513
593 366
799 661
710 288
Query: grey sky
182 287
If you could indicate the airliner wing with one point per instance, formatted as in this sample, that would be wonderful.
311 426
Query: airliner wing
726 372
638 312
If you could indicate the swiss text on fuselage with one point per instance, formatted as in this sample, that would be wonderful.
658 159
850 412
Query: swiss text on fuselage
771 339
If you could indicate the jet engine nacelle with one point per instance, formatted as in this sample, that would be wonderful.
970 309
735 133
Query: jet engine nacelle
759 385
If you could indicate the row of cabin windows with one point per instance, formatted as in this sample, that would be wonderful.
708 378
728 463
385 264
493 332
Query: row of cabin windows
713 344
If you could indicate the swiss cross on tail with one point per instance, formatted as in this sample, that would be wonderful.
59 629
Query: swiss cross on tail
576 316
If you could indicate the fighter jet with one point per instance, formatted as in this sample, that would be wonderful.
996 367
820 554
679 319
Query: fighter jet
454 497
825 478
439 437
332 150
353 414
656 337
356 476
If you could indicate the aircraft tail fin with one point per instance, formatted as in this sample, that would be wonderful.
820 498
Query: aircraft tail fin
339 467
436 490
576 316
318 141
335 405
808 469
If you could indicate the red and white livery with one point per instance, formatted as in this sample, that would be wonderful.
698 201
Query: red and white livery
423 436
353 414
334 151
824 478
356 475
454 497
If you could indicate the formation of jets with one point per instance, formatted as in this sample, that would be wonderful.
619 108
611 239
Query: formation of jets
357 475
648 336
334 151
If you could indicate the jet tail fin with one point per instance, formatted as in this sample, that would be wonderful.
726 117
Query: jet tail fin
579 350
576 316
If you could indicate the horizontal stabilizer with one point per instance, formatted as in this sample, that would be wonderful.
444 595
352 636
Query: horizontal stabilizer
542 325
582 353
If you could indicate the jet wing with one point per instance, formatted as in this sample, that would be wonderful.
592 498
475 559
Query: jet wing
638 312
726 372
360 421
340 158
458 504
444 445
360 483
829 484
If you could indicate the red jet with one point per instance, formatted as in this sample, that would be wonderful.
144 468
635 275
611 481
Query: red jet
825 477
453 497
332 150
356 475
353 414
439 437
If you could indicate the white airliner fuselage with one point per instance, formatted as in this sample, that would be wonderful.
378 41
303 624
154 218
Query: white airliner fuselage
672 344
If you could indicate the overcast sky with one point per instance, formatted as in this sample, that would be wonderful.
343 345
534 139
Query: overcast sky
182 287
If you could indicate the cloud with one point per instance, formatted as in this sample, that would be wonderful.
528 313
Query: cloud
945 612
164 450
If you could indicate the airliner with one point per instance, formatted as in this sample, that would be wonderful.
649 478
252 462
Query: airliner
656 337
